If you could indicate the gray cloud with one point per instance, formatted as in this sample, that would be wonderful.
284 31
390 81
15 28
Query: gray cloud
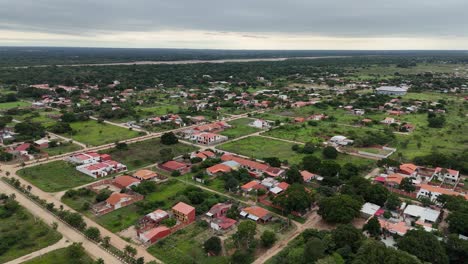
341 18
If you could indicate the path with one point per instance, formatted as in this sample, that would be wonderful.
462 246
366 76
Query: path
61 244
120 125
67 232
68 139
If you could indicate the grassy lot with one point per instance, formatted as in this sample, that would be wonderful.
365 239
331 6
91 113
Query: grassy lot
272 117
4 106
260 147
185 246
93 133
58 256
28 233
54 176
61 149
146 152
240 127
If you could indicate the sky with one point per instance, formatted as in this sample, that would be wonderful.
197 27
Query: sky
241 24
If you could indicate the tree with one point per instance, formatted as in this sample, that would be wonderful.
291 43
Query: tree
130 251
374 252
329 168
372 227
140 260
245 234
293 175
436 121
407 185
308 148
169 222
393 202
75 252
268 238
93 233
347 235
311 163
273 161
376 193
103 195
106 241
231 184
213 245
330 152
457 249
314 249
431 250
339 209
348 171
295 198
458 222
169 139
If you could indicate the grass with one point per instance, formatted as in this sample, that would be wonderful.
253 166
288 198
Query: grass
31 234
58 256
186 246
4 106
61 149
54 176
146 152
39 116
260 147
93 133
240 127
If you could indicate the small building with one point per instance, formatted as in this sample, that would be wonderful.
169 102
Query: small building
341 141
409 169
42 143
256 213
125 181
260 123
391 90
369 209
432 192
307 176
101 169
207 138
250 186
446 175
218 168
151 220
184 212
145 175
173 165
85 158
218 210
426 215
155 234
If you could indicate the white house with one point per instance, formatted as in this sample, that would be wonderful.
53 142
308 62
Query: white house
388 121
369 209
446 175
260 123
424 214
341 140
391 90
207 138
85 158
101 169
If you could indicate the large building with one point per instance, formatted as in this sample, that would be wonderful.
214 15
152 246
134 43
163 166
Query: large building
184 212
391 90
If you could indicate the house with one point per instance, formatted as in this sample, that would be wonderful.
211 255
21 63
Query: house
115 201
250 186
101 169
399 228
281 187
145 175
432 192
42 143
255 168
85 158
358 112
217 217
341 141
307 176
125 181
394 180
217 126
198 119
173 165
256 213
426 215
207 138
260 123
391 90
203 154
218 210
155 234
369 210
218 168
409 169
388 121
222 223
317 117
446 175
151 220
184 212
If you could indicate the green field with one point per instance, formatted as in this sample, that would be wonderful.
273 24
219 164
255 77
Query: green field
62 149
58 256
240 127
93 133
146 152
186 246
22 233
55 176
260 147
39 116
4 106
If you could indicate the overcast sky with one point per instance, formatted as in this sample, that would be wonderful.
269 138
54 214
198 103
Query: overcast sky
241 24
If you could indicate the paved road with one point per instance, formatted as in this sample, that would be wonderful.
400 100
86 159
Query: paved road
61 244
67 232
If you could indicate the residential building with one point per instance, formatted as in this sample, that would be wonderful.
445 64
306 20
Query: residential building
184 212
256 213
101 169
155 234
125 181
391 90
145 175
218 168
260 123
173 165
151 220
207 138
446 175
369 210
424 214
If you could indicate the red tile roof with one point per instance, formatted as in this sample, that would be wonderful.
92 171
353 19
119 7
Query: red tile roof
114 198
256 211
245 162
174 165
219 168
249 185
307 176
283 185
183 208
145 174
125 180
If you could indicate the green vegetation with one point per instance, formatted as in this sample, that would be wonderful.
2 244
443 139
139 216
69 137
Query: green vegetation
62 149
93 133
63 255
13 105
240 127
54 176
21 233
186 246
147 152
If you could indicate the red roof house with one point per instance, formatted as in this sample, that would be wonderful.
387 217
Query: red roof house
184 212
